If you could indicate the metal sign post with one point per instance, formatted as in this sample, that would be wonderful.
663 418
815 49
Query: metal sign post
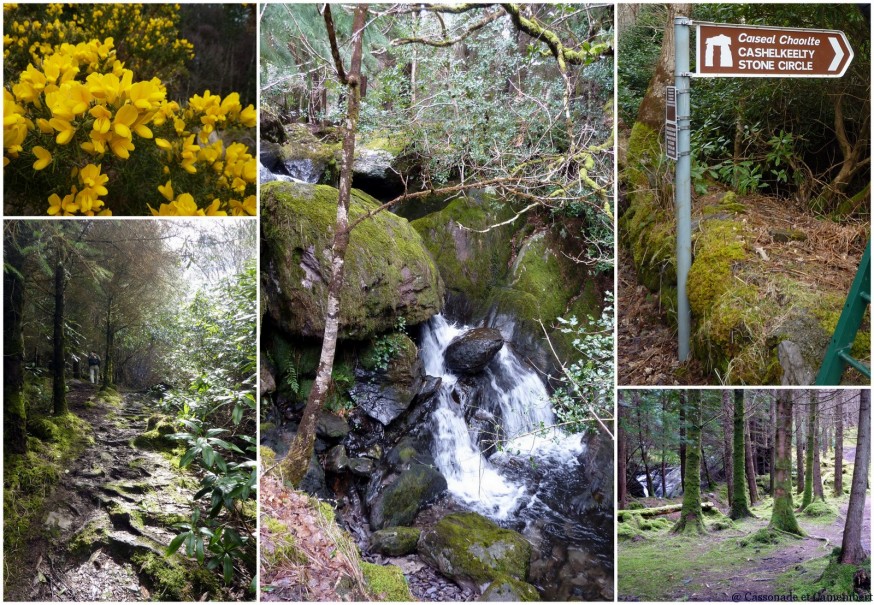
736 51
683 184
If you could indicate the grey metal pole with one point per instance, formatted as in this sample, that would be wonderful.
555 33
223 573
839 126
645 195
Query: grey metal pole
683 182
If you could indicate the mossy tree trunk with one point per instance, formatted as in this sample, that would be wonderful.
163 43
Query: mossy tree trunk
727 449
799 450
852 551
751 467
14 409
59 358
295 465
691 519
782 515
107 377
811 446
773 414
739 508
682 451
818 493
839 443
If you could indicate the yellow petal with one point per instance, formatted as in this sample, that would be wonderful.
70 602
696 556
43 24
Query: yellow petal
44 158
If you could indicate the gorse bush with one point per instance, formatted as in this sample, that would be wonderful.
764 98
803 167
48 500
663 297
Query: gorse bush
84 135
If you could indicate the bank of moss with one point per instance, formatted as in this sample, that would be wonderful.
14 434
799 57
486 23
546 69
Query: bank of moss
156 436
384 253
386 582
28 479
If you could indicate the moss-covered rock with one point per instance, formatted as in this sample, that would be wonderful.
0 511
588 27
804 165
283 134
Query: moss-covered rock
395 541
388 378
386 582
403 497
627 532
43 429
388 273
507 589
157 434
511 274
819 509
474 551
172 579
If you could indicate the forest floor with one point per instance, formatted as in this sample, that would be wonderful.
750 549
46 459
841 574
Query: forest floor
722 566
820 254
107 522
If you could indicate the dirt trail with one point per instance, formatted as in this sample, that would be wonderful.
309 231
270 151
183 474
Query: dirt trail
757 577
113 504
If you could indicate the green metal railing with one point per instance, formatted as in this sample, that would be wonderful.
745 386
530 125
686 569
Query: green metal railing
837 356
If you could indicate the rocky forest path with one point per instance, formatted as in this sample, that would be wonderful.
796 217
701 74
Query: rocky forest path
756 579
107 522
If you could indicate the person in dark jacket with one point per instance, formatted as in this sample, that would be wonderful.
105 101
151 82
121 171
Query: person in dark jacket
94 366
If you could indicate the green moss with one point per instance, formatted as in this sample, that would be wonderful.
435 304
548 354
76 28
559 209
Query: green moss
824 577
764 536
175 580
156 437
386 582
43 429
266 426
730 203
505 589
635 505
282 547
473 547
268 457
28 479
471 263
718 246
655 524
384 252
110 397
628 532
89 537
819 508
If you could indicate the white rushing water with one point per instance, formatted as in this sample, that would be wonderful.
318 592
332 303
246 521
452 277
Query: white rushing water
512 392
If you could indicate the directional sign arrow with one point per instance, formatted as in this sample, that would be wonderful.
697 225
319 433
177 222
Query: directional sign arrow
749 51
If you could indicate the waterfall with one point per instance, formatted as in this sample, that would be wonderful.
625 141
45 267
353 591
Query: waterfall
515 397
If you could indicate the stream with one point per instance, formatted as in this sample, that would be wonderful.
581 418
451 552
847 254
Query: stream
494 445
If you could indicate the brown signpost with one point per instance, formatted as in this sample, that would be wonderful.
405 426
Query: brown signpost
746 51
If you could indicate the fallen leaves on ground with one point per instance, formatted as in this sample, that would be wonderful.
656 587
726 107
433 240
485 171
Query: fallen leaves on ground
304 554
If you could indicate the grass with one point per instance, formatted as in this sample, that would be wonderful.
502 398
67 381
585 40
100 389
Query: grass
664 564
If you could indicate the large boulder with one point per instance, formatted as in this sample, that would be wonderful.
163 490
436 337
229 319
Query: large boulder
508 275
395 541
388 378
404 495
474 551
471 352
388 273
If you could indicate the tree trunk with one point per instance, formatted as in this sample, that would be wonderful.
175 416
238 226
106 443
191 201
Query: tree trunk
811 446
727 455
839 444
799 451
107 378
14 408
59 385
295 465
650 491
817 465
773 407
782 515
683 398
691 518
622 454
739 508
851 547
652 108
751 469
